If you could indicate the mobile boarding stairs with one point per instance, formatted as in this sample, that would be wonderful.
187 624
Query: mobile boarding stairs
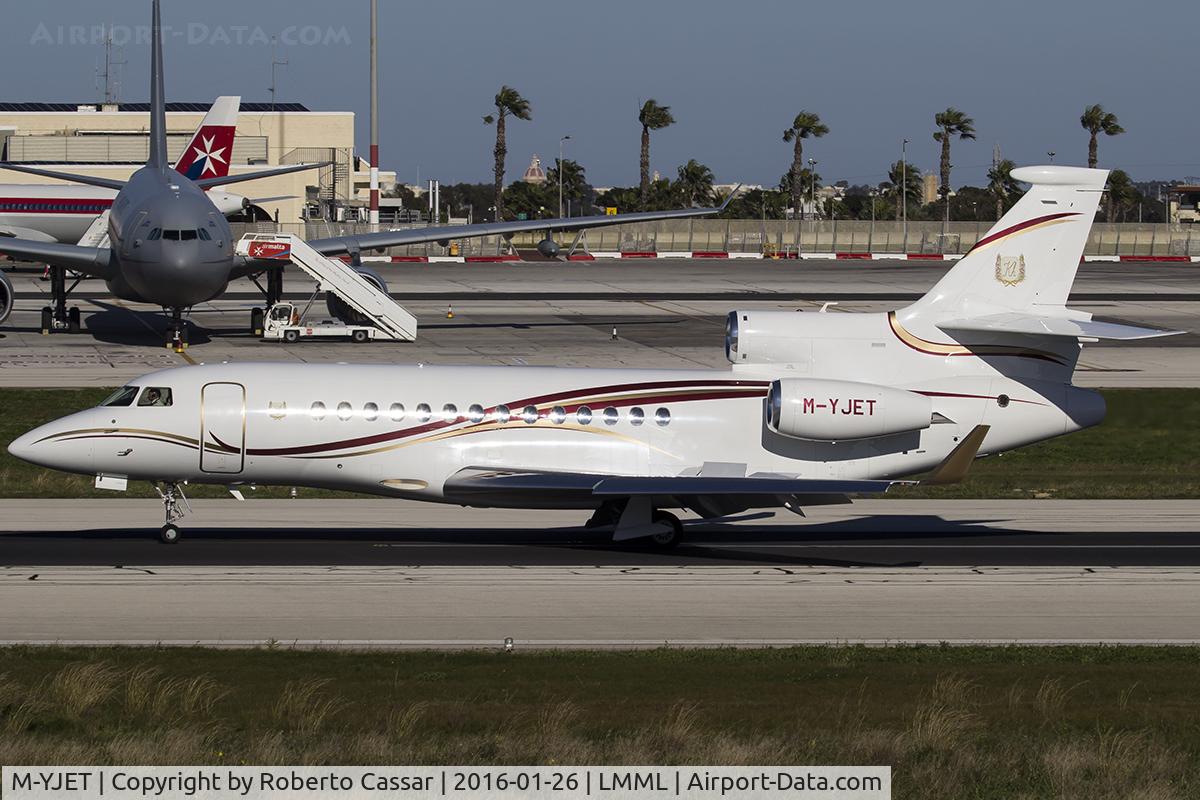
334 275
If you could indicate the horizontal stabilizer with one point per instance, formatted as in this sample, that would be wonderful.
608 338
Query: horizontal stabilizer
88 180
1035 325
225 180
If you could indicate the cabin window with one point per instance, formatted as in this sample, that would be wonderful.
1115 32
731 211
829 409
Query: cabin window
370 412
450 412
583 415
475 413
636 416
121 397
503 414
662 417
424 412
155 396
317 410
396 411
345 411
611 415
529 415
558 415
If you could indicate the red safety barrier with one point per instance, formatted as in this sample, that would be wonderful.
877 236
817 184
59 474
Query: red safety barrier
581 257
642 254
854 256
409 259
1156 258
709 254
491 259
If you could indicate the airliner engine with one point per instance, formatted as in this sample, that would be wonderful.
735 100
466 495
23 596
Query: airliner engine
338 308
6 297
828 411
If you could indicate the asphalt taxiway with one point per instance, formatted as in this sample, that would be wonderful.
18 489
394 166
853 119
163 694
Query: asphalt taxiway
368 573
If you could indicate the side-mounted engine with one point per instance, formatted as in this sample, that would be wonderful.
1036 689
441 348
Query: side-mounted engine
6 297
828 411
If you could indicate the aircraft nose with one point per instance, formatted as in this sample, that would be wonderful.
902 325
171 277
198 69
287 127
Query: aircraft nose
25 447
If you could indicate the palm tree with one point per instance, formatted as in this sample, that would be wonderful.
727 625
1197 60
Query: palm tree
1095 120
695 182
653 117
904 180
805 125
1120 193
574 179
1002 184
950 123
508 102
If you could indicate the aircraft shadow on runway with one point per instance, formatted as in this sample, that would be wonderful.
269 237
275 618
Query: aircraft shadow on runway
815 545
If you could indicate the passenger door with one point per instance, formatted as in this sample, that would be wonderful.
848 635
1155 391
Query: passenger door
222 428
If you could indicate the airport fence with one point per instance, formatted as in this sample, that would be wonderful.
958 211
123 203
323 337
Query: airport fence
784 238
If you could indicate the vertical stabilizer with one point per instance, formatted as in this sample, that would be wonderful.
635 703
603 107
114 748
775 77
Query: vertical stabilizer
209 152
1027 261
158 102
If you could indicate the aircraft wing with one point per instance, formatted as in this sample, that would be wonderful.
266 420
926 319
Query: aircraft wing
1037 325
89 180
375 241
95 261
224 180
480 483
14 232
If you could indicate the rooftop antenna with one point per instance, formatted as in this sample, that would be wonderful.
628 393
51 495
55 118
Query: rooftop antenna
275 62
996 156
112 84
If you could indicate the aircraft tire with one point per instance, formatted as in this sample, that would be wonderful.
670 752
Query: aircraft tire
291 337
73 320
47 320
168 534
669 538
359 336
256 321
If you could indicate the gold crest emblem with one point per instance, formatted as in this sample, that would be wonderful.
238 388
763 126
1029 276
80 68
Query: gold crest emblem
1010 270
278 410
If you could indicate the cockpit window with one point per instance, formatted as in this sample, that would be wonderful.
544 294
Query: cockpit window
204 235
188 236
154 235
121 397
171 236
155 396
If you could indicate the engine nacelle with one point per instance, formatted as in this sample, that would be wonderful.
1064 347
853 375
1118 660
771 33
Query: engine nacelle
831 411
338 308
6 297
548 247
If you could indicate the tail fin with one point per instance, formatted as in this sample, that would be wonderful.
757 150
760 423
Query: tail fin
158 102
208 153
1027 261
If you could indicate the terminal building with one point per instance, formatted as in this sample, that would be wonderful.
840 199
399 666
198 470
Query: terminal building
1183 203
112 141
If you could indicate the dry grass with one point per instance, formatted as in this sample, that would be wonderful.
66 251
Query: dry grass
1084 732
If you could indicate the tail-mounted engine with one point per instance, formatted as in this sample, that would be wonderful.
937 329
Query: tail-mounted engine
828 411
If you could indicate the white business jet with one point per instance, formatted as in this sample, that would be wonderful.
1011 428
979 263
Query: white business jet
814 408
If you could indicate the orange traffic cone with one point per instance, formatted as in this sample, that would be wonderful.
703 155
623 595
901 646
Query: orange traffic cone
450 311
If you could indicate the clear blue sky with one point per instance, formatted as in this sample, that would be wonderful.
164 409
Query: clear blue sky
734 73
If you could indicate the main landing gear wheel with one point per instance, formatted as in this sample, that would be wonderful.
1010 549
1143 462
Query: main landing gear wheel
74 322
168 534
669 538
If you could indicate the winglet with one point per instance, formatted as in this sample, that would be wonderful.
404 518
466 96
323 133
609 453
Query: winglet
729 199
954 467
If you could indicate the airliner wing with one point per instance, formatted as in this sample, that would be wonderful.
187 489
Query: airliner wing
88 260
12 231
225 180
1035 325
89 180
375 241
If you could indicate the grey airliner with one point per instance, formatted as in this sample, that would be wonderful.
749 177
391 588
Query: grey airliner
170 246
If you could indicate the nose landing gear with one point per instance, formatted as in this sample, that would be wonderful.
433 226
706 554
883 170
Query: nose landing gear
178 340
175 506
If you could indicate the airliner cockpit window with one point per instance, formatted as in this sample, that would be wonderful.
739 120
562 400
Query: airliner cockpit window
188 236
155 396
171 236
154 235
121 397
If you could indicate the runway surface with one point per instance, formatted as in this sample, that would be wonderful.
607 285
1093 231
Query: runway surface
397 574
667 314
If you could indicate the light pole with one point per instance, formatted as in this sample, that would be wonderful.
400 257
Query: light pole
374 210
871 234
560 171
812 176
904 189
